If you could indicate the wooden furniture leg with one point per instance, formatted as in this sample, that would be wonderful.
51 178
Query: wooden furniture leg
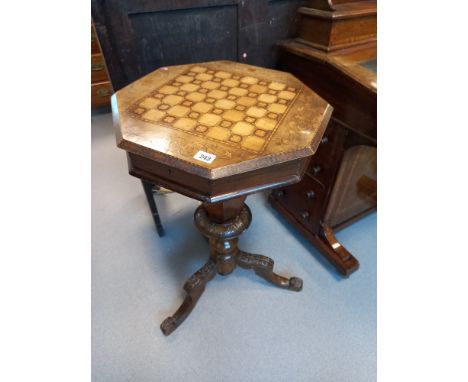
340 252
325 241
263 266
222 223
194 287
148 187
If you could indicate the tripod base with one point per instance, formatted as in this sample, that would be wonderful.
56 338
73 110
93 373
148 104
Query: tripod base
224 257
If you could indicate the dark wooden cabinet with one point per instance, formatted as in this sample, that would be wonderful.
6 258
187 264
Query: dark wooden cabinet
140 36
335 54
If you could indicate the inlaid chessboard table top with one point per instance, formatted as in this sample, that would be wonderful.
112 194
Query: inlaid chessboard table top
219 118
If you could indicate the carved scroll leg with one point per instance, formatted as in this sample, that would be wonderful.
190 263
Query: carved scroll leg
263 266
194 287
341 258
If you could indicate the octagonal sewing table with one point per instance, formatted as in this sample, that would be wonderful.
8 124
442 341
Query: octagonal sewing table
216 132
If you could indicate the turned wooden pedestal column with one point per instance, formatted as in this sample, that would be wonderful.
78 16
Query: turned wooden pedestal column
217 132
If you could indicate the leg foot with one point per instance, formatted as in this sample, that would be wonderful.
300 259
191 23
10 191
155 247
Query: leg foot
295 284
340 257
324 240
263 266
194 287
168 325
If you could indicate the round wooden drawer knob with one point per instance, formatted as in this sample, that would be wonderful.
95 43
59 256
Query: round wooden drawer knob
324 140
310 194
279 193
316 169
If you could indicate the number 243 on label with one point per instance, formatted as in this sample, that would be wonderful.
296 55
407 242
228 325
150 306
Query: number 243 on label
205 157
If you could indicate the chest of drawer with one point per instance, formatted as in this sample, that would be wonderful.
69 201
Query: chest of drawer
101 93
98 68
305 200
324 162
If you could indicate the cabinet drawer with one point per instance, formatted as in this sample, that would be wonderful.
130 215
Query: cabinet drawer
328 142
320 170
304 200
98 69
324 162
101 93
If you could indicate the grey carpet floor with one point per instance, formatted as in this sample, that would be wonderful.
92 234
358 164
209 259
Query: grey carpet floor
242 329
